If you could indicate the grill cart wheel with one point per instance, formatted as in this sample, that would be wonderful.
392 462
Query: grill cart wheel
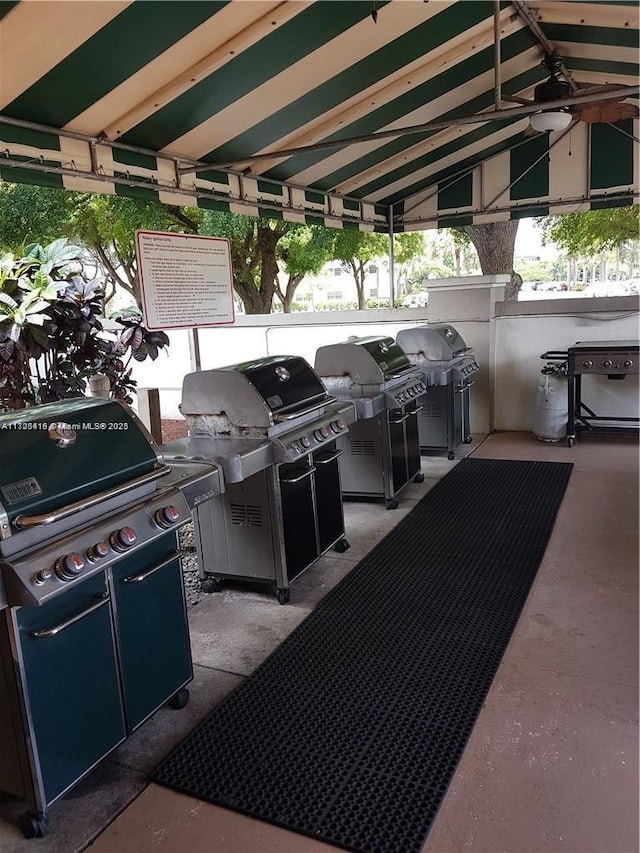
33 825
451 455
342 545
211 585
392 503
284 596
468 439
419 478
180 700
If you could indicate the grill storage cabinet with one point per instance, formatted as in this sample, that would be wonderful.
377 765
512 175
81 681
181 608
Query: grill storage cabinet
448 365
93 626
381 454
272 427
613 359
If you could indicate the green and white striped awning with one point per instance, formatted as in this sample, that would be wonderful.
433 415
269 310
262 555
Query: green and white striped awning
185 101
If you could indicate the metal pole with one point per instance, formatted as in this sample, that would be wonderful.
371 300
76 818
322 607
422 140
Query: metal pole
391 259
194 350
441 124
497 90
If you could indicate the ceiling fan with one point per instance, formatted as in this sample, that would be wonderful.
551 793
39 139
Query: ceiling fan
555 89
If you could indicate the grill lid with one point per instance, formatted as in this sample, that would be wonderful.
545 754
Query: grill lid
371 360
438 342
254 393
61 453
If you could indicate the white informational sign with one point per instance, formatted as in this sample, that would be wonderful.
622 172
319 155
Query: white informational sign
185 280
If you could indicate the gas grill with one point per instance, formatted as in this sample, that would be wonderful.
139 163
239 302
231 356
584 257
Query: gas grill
93 627
381 453
272 427
613 359
448 365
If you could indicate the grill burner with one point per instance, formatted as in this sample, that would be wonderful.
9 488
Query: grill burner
381 454
448 365
271 425
88 517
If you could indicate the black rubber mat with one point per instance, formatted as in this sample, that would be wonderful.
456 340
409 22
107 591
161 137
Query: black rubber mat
351 730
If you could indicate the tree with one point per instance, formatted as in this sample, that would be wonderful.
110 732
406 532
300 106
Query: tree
592 231
254 264
407 248
495 244
355 249
104 225
303 250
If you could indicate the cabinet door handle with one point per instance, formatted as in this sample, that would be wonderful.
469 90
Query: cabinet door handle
400 420
44 633
329 458
289 481
464 387
415 411
156 568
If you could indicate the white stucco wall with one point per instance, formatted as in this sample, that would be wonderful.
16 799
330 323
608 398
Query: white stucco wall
507 338
523 331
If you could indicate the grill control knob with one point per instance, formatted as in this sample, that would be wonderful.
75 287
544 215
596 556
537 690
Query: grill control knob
337 426
97 551
42 576
123 539
305 441
587 363
607 363
627 363
69 567
167 516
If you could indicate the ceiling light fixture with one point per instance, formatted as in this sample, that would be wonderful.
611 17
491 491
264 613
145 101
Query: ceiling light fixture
545 122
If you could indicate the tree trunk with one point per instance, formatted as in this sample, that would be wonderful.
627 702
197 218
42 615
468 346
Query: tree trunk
358 276
495 243
287 297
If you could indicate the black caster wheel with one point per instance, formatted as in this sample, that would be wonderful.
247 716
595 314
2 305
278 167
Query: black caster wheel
211 585
451 456
341 546
468 439
392 503
570 442
419 478
180 700
284 595
33 825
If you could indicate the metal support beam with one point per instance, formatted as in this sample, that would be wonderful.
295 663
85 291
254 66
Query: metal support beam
528 16
497 88
477 118
392 283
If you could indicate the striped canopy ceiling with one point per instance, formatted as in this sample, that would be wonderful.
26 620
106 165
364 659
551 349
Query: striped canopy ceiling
138 98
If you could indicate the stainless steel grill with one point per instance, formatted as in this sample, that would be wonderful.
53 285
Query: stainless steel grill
272 427
381 455
93 628
613 359
448 365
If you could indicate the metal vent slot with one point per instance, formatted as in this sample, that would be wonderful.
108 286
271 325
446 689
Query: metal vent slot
246 515
431 410
362 448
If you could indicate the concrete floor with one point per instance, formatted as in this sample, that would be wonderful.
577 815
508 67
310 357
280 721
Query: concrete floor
552 762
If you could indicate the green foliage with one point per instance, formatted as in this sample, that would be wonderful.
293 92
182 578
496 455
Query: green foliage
49 316
592 231
363 246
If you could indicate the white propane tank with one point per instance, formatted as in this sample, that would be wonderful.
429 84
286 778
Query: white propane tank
551 415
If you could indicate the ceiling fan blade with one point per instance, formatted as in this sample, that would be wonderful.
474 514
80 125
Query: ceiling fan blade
604 111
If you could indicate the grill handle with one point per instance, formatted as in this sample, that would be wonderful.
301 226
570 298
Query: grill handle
289 417
331 458
45 633
286 481
23 522
155 568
